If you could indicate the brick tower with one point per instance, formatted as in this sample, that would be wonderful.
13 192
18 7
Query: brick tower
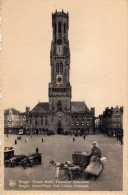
59 87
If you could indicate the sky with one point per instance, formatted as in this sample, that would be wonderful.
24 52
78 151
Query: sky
98 37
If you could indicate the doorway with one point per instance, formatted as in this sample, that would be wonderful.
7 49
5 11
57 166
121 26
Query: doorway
59 128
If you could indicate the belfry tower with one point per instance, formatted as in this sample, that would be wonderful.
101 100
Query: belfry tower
60 115
59 87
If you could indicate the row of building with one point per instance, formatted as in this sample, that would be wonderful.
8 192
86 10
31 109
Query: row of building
34 121
110 122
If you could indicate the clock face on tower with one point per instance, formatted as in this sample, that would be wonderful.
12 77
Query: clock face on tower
59 79
59 41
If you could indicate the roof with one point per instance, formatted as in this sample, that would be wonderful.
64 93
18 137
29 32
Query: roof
41 107
11 110
60 13
112 111
79 107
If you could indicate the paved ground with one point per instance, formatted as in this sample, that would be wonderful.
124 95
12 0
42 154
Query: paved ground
60 149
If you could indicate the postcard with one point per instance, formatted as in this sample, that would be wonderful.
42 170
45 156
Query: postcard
63 97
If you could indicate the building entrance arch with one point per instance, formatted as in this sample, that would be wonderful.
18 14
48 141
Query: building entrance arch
60 129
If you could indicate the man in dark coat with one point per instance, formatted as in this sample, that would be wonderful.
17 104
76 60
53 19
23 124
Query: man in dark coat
95 151
37 150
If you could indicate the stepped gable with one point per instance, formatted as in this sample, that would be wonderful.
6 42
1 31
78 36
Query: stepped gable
12 110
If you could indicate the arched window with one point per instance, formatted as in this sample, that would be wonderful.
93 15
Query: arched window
65 50
36 122
61 67
59 106
59 27
64 28
42 121
46 120
57 68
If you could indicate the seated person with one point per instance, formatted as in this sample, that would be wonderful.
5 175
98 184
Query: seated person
95 151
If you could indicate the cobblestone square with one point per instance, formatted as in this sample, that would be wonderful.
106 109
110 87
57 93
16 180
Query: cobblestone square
60 148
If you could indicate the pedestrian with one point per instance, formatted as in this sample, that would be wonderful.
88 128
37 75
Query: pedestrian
117 136
27 139
84 137
121 140
73 139
57 172
42 140
37 150
121 136
15 141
